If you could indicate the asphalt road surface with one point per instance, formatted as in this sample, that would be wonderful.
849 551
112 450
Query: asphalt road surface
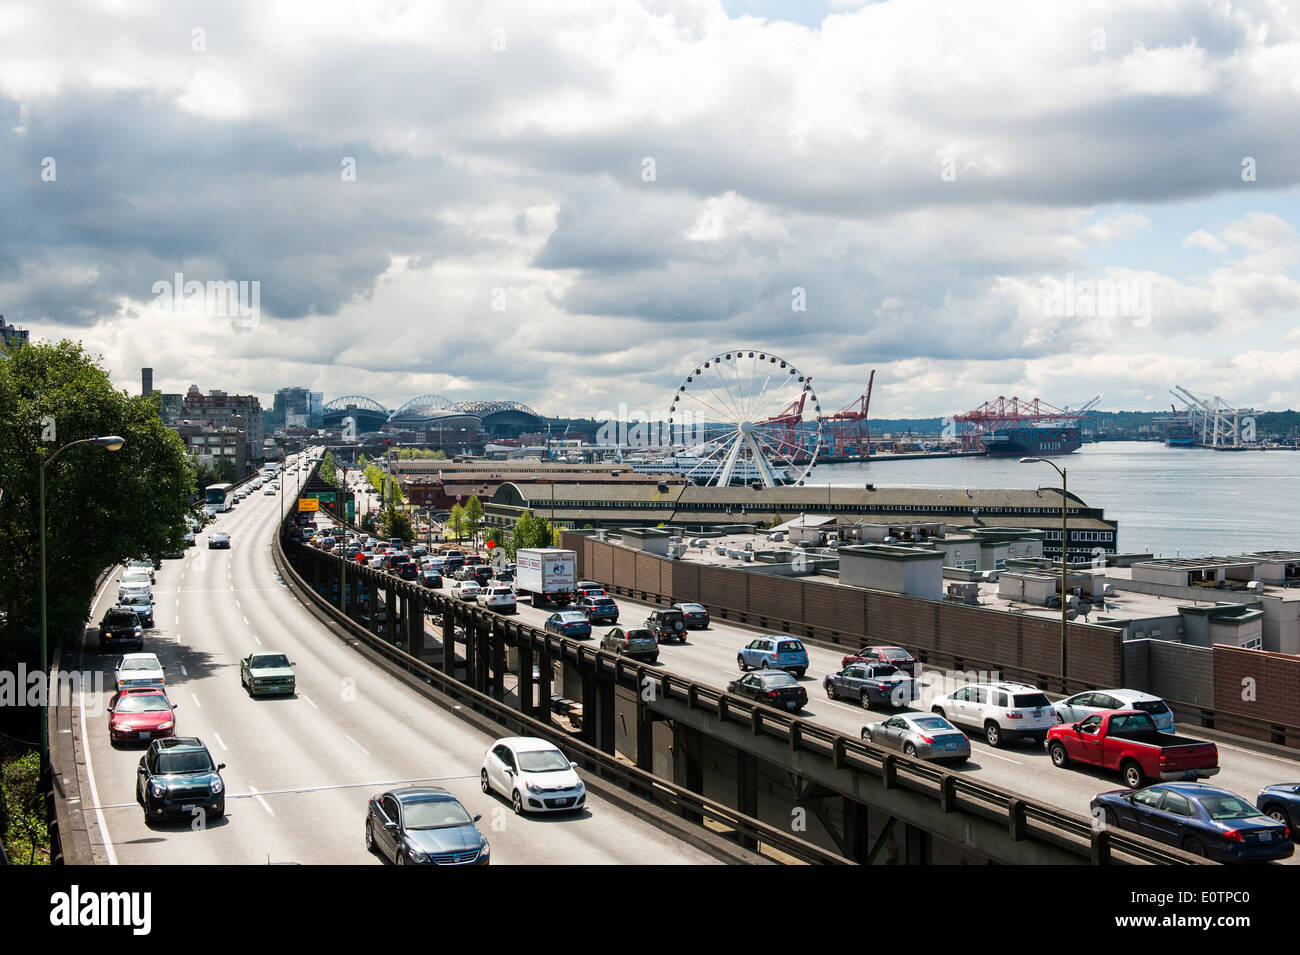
299 770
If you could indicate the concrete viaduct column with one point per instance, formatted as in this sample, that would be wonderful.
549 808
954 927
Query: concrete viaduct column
526 684
857 842
747 791
498 645
390 619
688 764
448 643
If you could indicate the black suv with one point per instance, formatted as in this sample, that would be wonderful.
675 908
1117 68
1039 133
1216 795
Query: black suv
667 625
120 626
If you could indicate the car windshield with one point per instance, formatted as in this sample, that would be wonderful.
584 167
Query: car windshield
434 813
1031 700
931 723
140 563
190 761
153 703
135 600
884 669
894 653
692 608
146 664
789 646
135 577
543 761
122 617
270 660
603 602
1227 807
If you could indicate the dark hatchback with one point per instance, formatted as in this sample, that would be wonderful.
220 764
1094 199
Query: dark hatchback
695 615
1199 818
667 625
637 644
431 578
599 609
424 825
773 687
178 777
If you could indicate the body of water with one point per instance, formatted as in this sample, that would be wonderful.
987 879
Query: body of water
1168 501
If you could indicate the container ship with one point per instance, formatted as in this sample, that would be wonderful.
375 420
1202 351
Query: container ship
1180 436
1029 441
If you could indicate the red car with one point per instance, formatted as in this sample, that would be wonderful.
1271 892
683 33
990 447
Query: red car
140 714
1128 742
896 656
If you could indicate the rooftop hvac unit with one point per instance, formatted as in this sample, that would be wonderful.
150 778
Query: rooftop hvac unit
676 551
965 592
833 545
747 555
749 546
1074 602
890 540
1253 586
720 549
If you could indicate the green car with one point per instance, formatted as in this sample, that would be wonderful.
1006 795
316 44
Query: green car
640 644
266 673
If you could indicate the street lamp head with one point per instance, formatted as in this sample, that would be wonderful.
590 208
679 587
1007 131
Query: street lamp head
110 442
1031 460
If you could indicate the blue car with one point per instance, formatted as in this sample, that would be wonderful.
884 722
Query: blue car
1281 801
1199 818
778 652
568 623
424 825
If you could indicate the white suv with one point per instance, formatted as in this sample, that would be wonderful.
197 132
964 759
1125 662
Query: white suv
1002 710
498 598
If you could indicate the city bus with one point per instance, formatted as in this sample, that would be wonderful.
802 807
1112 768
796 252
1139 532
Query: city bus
217 497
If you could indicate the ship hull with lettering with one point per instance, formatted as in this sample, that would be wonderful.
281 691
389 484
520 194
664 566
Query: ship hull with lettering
1032 442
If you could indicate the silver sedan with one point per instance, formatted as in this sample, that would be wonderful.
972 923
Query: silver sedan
921 736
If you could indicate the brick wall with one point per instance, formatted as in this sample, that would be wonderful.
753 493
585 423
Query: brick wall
1274 683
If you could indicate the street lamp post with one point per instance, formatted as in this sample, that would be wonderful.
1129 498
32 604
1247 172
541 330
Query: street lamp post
1064 558
111 443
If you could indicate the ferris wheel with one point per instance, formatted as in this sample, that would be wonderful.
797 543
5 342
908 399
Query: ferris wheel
738 418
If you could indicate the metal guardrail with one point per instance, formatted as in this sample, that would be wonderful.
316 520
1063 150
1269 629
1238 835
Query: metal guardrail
667 794
1025 819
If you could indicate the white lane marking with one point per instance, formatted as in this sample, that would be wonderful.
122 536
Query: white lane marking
308 699
357 745
178 618
90 778
196 701
245 621
260 799
222 742
183 672
238 604
232 586
255 639
178 602
985 752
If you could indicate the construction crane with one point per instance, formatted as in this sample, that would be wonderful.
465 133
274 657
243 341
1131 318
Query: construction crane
848 431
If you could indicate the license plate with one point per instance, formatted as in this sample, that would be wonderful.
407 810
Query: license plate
1266 837
144 735
950 746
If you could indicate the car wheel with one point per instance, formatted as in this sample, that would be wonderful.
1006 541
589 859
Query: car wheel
866 735
938 710
1133 775
866 700
400 858
370 834
830 692
1193 846
909 750
799 673
1278 814
483 783
764 664
1111 818
517 803
740 662
993 734
1060 758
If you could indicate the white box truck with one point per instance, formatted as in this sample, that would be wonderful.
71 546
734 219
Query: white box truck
547 574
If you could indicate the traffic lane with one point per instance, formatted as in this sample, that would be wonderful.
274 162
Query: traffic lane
709 657
376 725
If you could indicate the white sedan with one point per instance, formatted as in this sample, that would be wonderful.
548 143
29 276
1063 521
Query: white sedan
465 589
138 670
533 774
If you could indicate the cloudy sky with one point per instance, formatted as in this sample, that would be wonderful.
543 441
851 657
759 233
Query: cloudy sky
572 203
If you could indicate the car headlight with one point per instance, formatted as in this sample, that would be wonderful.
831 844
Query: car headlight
578 787
216 786
121 727
485 850
157 789
418 856
533 788
166 726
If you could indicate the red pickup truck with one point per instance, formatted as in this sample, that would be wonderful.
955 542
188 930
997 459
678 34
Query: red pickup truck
1127 741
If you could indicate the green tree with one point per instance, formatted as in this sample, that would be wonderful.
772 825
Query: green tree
456 521
328 469
530 531
395 523
225 473
473 516
101 507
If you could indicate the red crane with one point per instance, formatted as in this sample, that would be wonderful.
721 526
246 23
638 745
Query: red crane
848 432
1006 412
